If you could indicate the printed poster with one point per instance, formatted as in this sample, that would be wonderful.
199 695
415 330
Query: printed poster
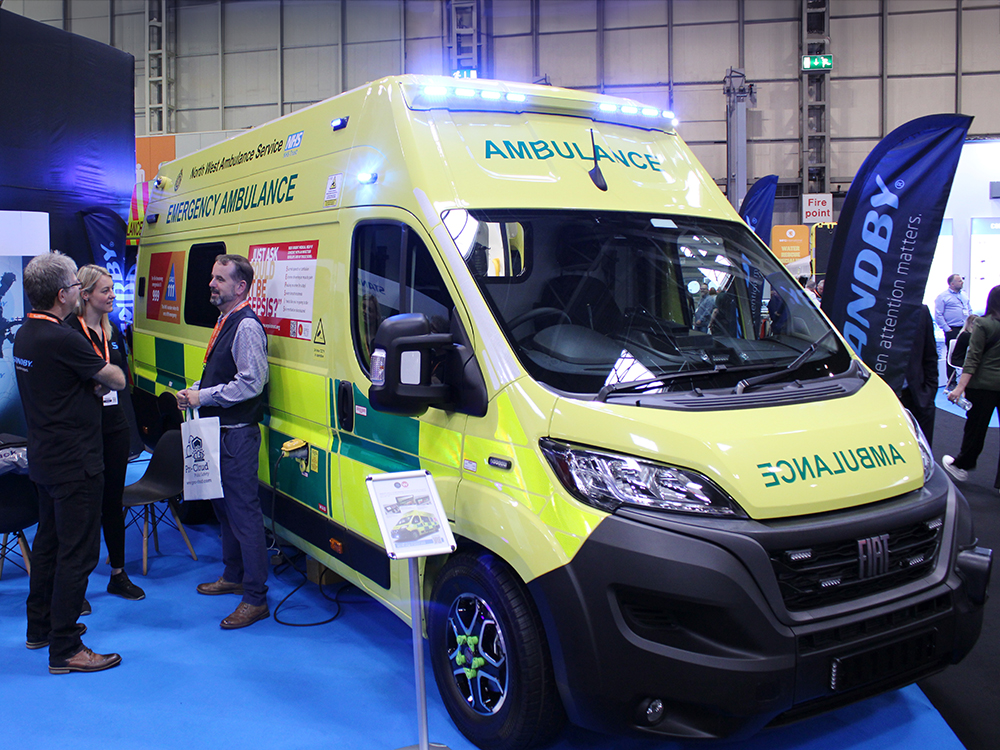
410 515
283 287
166 282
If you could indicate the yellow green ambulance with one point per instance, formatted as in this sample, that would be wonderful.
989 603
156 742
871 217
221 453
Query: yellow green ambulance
690 529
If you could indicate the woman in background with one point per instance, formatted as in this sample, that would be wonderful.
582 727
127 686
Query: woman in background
980 383
97 299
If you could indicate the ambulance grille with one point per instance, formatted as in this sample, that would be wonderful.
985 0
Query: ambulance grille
834 572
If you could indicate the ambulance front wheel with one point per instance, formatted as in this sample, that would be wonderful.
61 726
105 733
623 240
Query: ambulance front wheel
490 656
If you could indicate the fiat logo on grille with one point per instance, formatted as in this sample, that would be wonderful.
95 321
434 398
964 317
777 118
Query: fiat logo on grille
873 556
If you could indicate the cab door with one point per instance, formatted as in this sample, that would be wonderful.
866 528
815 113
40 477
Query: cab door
392 271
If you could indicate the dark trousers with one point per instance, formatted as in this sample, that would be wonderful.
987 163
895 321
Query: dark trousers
116 447
244 550
977 422
65 550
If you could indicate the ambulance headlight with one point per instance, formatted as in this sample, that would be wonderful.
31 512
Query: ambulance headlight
925 448
609 480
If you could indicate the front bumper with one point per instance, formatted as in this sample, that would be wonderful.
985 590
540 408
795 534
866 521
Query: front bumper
690 614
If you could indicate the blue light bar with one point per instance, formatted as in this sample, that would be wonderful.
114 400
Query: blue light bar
435 90
515 97
467 93
650 111
492 95
628 109
668 114
605 107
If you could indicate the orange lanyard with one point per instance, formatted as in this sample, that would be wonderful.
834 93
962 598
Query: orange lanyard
218 328
86 332
44 316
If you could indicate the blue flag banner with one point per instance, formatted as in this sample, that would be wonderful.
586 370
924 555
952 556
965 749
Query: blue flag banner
885 240
757 208
106 233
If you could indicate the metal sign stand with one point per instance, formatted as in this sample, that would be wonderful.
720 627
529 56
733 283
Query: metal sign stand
418 660
413 525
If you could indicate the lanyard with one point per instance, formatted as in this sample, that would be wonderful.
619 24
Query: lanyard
44 316
218 328
86 332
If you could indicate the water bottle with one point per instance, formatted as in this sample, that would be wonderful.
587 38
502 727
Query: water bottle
964 403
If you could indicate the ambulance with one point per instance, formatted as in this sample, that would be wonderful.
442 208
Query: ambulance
662 528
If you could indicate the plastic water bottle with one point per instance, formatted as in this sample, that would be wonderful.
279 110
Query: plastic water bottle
964 403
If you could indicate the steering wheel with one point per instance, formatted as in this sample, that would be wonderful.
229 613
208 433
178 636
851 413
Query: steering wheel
524 317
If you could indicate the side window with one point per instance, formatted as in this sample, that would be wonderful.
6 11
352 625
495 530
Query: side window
198 310
394 273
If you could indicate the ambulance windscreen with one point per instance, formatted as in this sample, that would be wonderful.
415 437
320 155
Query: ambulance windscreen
590 301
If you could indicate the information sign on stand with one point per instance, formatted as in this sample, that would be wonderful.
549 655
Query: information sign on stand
413 525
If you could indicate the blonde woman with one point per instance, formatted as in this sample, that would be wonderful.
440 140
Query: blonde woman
97 299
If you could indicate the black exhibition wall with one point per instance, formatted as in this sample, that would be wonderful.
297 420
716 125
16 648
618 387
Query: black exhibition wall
67 128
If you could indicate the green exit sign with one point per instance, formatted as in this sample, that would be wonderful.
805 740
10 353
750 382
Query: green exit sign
817 62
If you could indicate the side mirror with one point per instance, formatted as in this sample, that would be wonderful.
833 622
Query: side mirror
401 364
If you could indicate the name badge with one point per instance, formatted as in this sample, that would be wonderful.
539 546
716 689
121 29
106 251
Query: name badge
111 398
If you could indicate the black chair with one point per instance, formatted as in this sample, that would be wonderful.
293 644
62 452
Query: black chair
18 511
163 482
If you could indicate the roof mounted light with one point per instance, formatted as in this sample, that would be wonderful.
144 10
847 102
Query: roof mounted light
339 123
668 114
435 90
628 109
467 93
514 97
491 94
605 107
650 111
367 178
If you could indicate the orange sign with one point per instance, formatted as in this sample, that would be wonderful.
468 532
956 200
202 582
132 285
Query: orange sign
790 242
150 152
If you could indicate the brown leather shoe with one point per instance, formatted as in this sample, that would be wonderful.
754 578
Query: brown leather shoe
86 660
222 586
245 614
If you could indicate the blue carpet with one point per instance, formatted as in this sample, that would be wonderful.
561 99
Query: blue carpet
186 683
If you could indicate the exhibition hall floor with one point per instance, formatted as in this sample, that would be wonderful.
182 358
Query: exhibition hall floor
184 682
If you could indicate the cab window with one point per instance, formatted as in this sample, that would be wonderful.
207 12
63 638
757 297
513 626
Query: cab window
198 309
393 273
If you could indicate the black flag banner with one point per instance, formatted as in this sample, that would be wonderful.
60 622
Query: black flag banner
885 240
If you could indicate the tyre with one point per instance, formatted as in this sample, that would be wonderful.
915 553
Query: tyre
490 657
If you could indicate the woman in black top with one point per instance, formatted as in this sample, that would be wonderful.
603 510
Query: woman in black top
97 299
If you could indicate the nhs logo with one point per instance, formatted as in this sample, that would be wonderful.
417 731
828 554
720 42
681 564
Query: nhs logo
293 143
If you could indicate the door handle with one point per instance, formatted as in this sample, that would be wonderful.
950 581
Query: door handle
345 405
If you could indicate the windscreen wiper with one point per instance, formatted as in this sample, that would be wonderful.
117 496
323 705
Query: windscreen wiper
638 386
795 364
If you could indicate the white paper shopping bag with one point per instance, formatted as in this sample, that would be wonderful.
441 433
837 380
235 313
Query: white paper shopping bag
202 472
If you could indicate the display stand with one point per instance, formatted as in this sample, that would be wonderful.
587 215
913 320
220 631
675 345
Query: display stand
413 525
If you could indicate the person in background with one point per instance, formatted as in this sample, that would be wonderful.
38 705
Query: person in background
921 382
980 383
90 318
232 389
703 315
820 285
951 308
957 357
61 381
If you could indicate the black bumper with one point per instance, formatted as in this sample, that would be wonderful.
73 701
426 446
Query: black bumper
691 614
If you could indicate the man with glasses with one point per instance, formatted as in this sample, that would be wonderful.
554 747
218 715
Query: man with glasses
62 380
951 309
